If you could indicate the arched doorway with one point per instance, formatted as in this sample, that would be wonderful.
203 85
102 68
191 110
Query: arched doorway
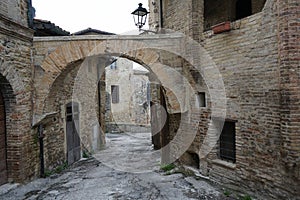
3 161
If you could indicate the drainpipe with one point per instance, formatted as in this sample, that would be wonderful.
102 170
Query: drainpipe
161 14
98 90
30 13
41 141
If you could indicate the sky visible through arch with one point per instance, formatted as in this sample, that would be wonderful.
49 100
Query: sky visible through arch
74 15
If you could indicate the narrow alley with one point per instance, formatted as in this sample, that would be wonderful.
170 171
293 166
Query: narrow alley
119 172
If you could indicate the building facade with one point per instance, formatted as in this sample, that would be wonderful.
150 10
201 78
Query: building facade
49 86
17 144
253 44
128 97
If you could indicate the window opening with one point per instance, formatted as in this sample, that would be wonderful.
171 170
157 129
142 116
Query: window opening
227 142
243 9
201 100
115 94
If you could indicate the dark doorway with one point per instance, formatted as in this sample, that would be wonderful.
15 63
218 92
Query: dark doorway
3 162
161 138
243 8
72 127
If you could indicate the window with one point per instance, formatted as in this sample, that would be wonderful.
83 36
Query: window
113 65
218 11
201 100
148 93
227 142
243 8
115 94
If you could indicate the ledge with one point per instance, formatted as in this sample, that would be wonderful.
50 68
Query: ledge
225 164
13 29
108 37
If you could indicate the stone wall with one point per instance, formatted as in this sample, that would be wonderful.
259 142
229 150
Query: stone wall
15 10
121 77
132 111
140 99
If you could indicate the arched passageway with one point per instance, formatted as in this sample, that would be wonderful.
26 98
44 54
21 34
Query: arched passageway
171 68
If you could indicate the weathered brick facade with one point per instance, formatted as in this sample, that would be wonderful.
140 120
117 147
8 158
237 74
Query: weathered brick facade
257 60
16 70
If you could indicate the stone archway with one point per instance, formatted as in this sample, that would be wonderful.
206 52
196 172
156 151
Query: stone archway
59 63
7 105
145 50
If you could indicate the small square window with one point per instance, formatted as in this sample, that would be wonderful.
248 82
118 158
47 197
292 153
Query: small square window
201 100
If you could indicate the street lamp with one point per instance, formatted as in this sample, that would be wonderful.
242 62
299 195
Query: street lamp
140 16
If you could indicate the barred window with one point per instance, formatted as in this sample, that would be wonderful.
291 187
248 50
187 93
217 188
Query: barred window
115 94
227 142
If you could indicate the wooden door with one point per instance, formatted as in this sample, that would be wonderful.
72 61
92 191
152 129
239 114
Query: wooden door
72 128
3 162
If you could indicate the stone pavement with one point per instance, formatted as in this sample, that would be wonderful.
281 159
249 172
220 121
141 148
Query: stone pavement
100 179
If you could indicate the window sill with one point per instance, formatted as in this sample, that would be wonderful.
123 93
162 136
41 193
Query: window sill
223 163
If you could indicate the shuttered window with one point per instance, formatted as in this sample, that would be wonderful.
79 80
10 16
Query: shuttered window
115 94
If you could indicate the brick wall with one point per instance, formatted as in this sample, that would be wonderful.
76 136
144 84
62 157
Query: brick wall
261 96
289 45
219 11
176 9
16 87
248 62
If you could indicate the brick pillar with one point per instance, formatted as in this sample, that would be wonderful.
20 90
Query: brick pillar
289 66
197 25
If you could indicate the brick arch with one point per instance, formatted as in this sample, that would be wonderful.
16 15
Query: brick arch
7 125
58 61
11 76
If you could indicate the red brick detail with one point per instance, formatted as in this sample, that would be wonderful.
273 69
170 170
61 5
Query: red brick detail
222 27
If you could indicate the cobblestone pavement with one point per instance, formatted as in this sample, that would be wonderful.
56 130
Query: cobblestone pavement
100 179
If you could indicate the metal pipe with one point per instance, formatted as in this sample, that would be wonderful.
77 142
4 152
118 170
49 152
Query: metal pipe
41 140
161 14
